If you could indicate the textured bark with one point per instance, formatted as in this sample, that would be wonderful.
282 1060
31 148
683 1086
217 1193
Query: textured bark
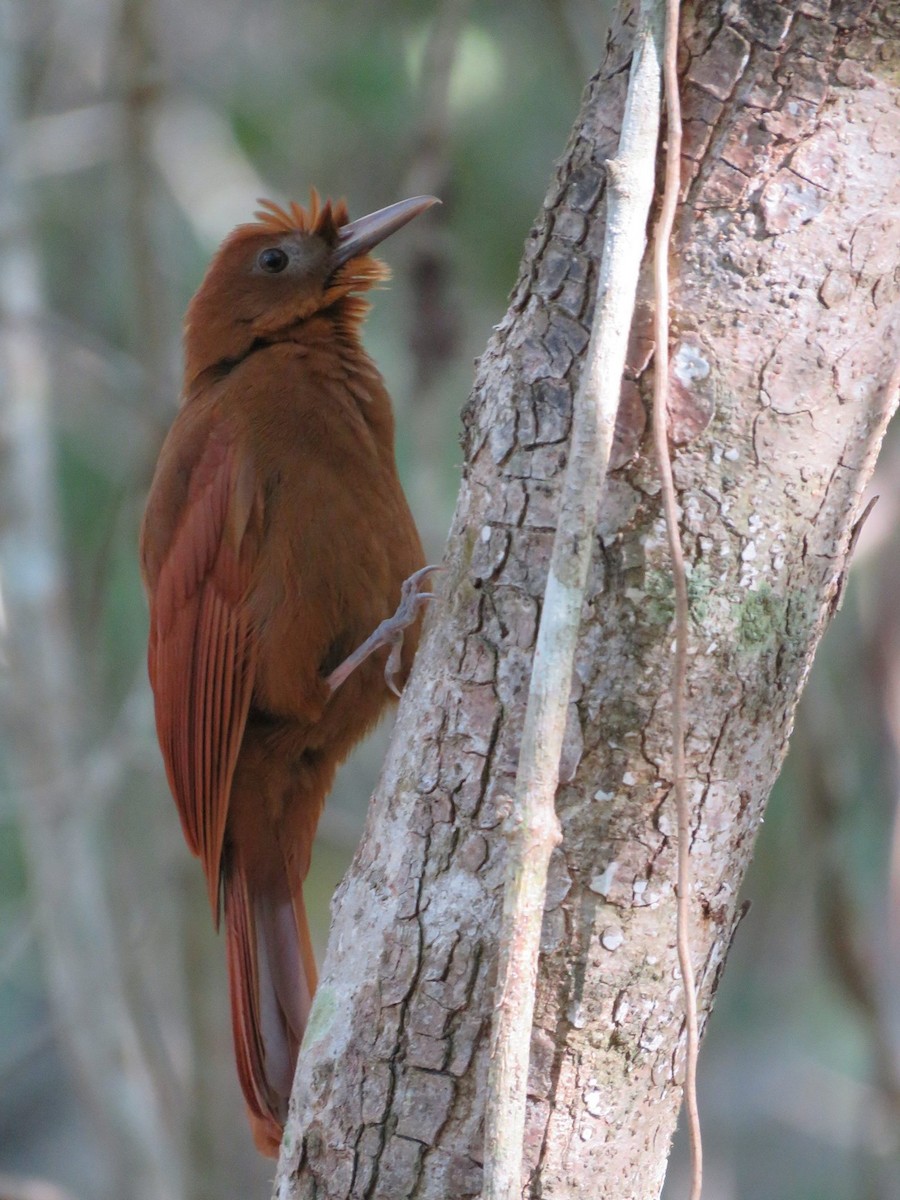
784 323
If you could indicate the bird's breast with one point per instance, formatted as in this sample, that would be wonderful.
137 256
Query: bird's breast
337 544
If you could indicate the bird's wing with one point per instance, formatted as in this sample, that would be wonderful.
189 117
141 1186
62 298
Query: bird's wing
202 643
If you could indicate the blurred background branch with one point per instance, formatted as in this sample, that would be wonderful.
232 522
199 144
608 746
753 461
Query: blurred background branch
435 328
46 684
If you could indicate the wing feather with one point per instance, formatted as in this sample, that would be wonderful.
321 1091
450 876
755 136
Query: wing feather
202 644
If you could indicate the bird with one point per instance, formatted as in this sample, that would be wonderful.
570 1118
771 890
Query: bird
275 545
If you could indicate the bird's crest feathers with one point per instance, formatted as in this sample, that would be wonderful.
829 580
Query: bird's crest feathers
324 219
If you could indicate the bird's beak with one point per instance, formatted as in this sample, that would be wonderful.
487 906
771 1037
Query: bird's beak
364 234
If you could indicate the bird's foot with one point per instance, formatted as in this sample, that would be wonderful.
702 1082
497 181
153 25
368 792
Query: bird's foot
388 633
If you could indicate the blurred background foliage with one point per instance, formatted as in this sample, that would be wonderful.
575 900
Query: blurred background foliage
133 135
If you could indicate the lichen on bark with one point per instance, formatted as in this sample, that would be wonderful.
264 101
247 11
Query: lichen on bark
784 319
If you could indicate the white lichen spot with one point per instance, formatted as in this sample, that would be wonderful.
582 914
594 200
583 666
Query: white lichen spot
659 1073
732 454
584 1133
628 779
651 960
638 888
612 937
593 1101
651 1042
576 1016
749 552
712 647
485 533
688 364
601 884
603 796
715 454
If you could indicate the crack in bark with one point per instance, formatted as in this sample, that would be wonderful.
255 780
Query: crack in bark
384 1125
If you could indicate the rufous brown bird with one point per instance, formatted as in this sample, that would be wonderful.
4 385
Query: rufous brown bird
276 540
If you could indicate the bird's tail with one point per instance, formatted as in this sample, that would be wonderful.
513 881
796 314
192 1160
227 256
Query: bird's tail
272 978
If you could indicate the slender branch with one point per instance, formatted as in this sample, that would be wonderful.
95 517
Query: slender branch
436 319
821 745
150 295
536 828
670 507
20 1187
891 703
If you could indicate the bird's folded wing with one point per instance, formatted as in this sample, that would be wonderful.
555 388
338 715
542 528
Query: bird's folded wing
202 644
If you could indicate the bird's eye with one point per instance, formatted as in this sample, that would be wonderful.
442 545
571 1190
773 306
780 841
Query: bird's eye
273 260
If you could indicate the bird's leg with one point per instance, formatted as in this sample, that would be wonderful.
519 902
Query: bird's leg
388 633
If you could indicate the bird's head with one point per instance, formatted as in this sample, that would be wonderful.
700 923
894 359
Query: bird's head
276 272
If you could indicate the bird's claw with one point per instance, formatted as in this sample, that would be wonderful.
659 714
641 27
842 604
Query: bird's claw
388 633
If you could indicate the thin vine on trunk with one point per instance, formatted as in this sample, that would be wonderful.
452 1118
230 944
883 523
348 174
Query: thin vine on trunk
536 831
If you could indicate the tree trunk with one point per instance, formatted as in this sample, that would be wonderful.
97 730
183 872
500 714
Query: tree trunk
783 336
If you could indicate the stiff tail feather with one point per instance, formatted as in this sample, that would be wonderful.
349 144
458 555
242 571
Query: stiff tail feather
272 979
